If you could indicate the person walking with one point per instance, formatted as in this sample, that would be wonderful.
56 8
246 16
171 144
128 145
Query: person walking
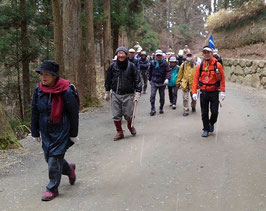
209 76
172 89
54 121
143 66
180 58
159 75
185 80
124 82
131 56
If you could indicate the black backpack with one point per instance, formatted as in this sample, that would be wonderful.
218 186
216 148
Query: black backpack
75 91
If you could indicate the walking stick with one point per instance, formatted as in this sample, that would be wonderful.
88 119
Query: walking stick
134 113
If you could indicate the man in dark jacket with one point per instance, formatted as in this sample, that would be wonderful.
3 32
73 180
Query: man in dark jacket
131 56
143 66
159 75
55 119
124 82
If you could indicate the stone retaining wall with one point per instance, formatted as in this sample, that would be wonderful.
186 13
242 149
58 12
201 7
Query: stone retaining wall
246 72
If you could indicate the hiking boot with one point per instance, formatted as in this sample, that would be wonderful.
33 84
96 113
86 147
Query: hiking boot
193 109
185 114
211 127
119 135
133 131
205 133
48 195
72 175
161 111
152 113
174 107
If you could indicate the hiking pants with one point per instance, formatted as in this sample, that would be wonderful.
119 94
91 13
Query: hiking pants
57 166
154 89
186 100
122 105
209 99
144 79
172 91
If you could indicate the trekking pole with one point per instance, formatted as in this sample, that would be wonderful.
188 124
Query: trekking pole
134 113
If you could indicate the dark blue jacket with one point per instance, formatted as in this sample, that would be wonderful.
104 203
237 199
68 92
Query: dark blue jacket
55 136
143 64
159 74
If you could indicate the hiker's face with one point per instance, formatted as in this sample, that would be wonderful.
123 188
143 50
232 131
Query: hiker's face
121 56
207 55
47 79
159 57
131 55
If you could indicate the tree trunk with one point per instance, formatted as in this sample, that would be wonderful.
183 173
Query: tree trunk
25 59
7 137
58 34
74 60
90 53
115 30
107 35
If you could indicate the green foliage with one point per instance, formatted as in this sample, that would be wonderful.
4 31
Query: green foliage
186 31
21 128
92 102
8 142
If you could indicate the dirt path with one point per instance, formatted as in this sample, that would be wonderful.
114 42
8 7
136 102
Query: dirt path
167 166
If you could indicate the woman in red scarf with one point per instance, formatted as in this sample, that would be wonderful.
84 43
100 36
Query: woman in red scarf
55 121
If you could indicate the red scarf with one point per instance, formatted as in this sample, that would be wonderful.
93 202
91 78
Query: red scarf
57 90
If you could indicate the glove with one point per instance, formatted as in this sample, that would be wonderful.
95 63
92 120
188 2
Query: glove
166 82
195 97
137 96
38 139
107 96
222 94
74 139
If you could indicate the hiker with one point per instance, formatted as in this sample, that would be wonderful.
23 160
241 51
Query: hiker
209 76
180 57
55 119
159 75
186 50
185 80
124 82
172 89
217 56
131 56
143 66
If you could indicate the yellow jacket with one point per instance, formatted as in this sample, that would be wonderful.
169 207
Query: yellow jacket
186 76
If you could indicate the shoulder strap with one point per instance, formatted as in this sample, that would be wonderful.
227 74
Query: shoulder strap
201 66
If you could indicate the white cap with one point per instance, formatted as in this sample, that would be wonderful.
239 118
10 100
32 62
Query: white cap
131 50
180 53
143 53
139 50
158 52
215 52
172 59
207 48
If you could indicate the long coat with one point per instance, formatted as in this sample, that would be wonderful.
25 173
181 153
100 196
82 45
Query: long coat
55 136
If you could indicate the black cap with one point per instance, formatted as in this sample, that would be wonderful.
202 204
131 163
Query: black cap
122 48
49 66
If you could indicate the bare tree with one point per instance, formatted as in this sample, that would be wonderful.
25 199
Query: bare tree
58 33
74 60
90 58
107 35
25 58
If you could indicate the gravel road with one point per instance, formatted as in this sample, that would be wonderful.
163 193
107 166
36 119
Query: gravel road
167 166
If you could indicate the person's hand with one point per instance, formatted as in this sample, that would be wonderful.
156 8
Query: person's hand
222 94
166 82
195 97
107 96
137 97
74 139
38 139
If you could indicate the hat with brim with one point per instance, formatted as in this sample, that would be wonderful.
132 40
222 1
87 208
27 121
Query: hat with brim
49 66
207 48
158 53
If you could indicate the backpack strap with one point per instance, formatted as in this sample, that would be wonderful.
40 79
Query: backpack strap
217 84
